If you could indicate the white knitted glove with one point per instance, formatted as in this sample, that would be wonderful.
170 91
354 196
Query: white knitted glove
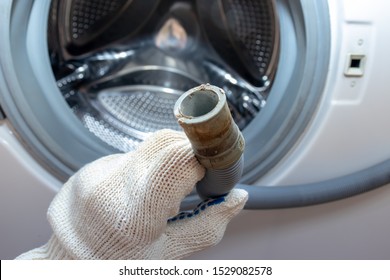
118 207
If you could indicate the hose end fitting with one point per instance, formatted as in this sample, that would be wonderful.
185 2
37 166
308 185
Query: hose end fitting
217 142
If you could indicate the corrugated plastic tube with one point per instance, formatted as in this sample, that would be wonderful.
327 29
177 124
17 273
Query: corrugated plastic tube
217 142
278 197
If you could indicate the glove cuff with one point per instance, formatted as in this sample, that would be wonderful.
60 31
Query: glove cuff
52 250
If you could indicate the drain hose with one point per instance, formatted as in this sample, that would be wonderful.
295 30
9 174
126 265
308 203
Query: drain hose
276 197
217 142
204 116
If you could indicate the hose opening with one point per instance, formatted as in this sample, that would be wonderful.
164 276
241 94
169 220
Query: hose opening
199 103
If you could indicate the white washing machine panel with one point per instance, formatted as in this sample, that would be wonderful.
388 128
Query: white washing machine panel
26 191
350 130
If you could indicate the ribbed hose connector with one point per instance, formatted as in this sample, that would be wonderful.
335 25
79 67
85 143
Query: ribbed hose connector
217 142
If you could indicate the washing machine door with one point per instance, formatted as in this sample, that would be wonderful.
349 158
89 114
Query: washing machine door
82 79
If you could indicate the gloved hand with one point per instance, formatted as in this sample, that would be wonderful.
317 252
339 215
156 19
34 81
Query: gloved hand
125 206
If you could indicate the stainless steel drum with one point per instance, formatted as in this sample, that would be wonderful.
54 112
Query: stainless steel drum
121 65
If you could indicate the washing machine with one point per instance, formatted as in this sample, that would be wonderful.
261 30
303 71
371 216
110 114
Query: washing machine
305 82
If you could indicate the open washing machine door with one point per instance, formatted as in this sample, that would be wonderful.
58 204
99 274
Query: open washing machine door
82 79
102 76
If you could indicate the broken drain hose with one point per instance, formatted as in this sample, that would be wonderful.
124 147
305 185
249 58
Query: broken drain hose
217 142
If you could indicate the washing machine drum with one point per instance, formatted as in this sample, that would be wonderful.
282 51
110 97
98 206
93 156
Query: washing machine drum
121 65
86 78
